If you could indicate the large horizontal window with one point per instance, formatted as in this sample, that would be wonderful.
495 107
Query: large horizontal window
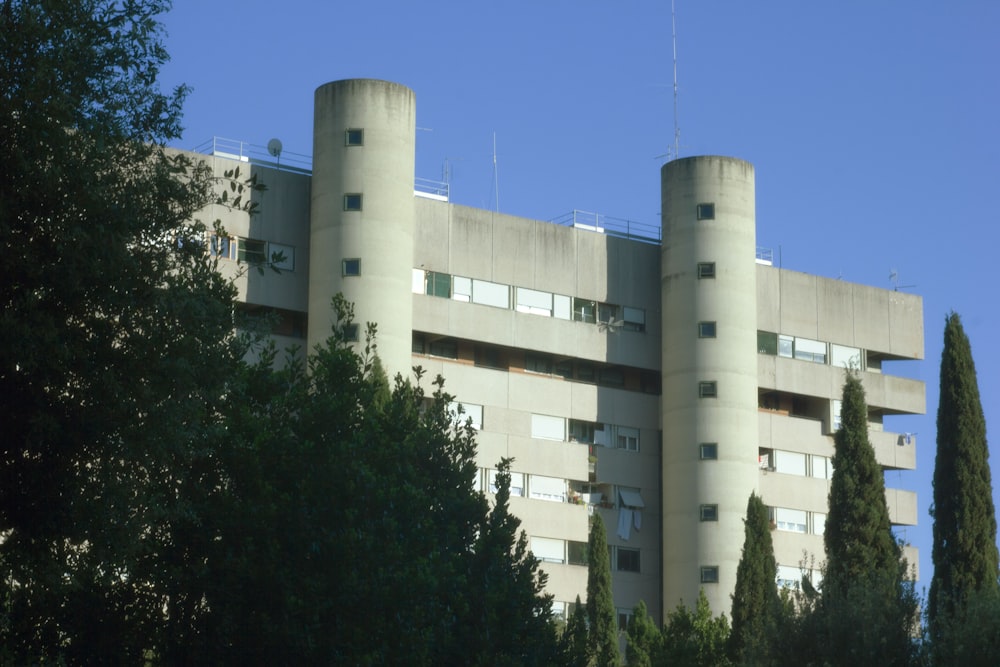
548 428
533 301
548 550
790 520
790 463
516 482
461 413
547 488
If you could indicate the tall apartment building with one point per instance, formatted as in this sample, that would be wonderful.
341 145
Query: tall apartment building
654 379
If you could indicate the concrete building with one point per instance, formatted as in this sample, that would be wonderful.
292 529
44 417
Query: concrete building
654 380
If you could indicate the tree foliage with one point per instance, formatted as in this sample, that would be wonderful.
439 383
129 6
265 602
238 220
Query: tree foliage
859 541
867 613
756 605
573 645
645 640
695 637
162 500
964 552
113 325
603 631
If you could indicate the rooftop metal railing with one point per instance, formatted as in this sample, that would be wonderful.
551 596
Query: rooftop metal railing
606 224
243 151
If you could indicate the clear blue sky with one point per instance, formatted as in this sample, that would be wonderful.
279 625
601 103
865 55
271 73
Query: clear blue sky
874 127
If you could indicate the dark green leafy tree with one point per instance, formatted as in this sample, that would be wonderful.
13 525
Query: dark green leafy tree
645 640
600 602
965 528
351 534
510 624
573 645
113 327
695 637
756 606
867 613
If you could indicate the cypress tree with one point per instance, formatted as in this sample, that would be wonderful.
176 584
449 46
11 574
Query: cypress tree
965 528
755 600
868 610
858 539
600 603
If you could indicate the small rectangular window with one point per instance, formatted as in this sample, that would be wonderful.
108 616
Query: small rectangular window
710 574
354 136
437 284
708 389
767 343
352 201
221 246
419 344
635 319
578 553
628 560
537 363
584 310
709 513
708 451
351 267
706 270
490 356
611 377
351 333
252 251
444 347
706 211
627 438
706 329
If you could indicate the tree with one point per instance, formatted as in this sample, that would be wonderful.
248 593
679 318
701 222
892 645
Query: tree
695 638
645 641
756 605
965 528
600 602
573 645
511 622
113 326
868 609
858 539
350 531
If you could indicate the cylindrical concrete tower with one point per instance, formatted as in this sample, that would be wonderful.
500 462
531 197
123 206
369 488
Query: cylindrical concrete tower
361 226
708 278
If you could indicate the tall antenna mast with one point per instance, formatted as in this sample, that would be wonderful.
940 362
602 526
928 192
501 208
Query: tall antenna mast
677 129
496 176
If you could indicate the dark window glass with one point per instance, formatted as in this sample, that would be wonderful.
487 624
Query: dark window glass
352 202
354 136
352 267
628 560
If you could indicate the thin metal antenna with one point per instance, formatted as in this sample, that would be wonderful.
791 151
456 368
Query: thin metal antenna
496 175
677 129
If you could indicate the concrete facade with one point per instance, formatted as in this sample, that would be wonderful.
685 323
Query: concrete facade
620 377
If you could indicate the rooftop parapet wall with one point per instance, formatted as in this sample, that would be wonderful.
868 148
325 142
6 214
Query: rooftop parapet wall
879 320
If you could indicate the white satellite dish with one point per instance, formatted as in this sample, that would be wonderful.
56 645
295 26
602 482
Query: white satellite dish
274 147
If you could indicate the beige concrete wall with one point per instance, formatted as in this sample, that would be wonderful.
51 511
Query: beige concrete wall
799 304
